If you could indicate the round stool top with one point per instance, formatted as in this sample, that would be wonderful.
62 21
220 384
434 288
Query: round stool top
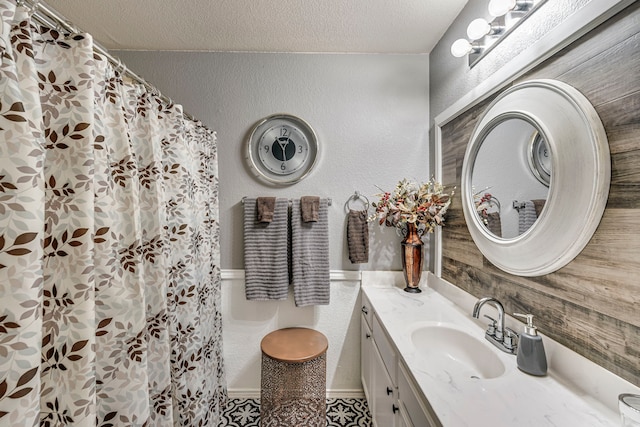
294 345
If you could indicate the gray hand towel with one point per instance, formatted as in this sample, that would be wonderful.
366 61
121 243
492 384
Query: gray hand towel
310 205
494 223
358 237
266 206
310 256
265 253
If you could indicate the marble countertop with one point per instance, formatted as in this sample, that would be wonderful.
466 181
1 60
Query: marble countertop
583 395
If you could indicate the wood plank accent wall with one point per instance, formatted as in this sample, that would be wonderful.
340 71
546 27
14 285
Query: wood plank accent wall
592 305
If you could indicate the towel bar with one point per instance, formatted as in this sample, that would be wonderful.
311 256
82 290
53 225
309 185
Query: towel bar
290 201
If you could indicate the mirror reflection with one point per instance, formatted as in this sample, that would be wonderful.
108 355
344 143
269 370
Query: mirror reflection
510 177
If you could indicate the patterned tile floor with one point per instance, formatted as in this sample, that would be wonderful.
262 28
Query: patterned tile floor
340 413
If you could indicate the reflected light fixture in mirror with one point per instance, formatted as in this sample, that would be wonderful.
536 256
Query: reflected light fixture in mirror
483 35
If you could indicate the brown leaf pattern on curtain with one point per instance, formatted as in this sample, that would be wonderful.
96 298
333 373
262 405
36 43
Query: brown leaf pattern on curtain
109 244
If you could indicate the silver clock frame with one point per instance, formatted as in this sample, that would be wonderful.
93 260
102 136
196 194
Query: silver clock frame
537 165
258 166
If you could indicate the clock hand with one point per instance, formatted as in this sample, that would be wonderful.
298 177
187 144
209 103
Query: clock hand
283 148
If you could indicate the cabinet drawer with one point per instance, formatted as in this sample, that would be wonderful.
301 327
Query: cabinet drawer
418 411
386 350
367 310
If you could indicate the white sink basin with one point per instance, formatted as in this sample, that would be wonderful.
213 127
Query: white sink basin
456 353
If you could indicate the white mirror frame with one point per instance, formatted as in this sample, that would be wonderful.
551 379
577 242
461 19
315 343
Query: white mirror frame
580 177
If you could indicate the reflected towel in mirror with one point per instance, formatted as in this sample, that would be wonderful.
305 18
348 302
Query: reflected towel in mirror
526 216
494 223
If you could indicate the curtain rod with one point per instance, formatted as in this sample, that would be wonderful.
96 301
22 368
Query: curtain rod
51 18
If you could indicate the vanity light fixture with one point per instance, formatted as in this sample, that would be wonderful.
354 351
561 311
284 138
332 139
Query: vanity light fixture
462 47
483 35
478 28
502 7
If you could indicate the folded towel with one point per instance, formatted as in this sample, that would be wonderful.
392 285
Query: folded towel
265 253
494 223
310 256
310 206
266 205
526 216
358 237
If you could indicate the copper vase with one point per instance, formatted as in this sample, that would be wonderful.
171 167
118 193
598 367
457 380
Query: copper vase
412 258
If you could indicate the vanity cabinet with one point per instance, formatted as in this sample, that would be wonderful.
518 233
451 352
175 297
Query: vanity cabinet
391 394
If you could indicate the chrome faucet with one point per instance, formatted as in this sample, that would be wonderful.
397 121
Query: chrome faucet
497 334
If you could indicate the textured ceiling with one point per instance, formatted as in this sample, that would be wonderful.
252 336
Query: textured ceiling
350 26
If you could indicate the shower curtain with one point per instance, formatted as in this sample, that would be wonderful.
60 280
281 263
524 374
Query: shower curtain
109 274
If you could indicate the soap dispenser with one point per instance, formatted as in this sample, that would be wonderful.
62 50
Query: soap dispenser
531 357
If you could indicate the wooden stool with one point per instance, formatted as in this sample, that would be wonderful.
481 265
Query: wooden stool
293 390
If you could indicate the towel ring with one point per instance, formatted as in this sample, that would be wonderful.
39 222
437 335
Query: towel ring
495 201
357 196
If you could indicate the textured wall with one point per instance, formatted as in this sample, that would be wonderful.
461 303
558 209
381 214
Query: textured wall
369 111
591 305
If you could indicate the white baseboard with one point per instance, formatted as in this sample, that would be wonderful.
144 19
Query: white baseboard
331 394
334 275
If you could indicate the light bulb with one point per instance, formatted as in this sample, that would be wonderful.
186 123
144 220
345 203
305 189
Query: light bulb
501 7
460 48
478 28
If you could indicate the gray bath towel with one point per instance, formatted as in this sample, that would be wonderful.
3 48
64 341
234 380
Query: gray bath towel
539 205
526 216
265 253
310 256
358 237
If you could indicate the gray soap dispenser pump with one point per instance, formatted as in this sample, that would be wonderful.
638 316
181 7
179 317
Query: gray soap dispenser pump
531 357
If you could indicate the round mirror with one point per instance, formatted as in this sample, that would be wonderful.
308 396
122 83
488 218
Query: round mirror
511 175
535 177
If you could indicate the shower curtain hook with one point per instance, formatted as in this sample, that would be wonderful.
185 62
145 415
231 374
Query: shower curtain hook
119 67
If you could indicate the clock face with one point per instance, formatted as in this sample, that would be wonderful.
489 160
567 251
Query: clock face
282 149
540 158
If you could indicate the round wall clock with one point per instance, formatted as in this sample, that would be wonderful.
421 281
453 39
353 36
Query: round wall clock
282 149
539 158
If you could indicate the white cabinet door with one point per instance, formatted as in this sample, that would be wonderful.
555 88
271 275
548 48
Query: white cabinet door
366 350
403 418
412 405
383 393
367 310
